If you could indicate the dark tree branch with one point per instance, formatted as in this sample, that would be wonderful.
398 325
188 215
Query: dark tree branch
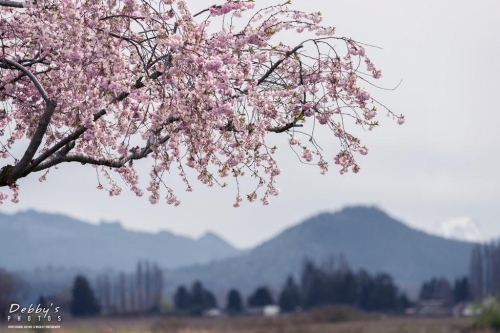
201 12
54 156
36 164
32 77
284 128
54 159
35 142
122 15
17 78
52 150
8 3
16 171
273 68
65 156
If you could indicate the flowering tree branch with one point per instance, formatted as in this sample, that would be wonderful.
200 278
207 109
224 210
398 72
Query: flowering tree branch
43 123
145 80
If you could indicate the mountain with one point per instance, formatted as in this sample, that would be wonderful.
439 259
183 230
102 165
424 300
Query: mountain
366 236
31 239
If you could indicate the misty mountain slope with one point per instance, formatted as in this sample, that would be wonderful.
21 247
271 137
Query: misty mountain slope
31 239
367 237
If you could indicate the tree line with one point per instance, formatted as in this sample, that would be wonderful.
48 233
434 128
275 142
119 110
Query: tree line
137 292
441 289
319 286
194 301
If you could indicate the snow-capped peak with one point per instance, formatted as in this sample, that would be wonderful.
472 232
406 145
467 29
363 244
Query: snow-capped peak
461 228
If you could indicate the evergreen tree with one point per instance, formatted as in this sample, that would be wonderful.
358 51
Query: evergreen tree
209 300
261 297
234 302
201 299
403 302
427 289
194 301
197 298
437 289
83 303
42 302
182 301
443 292
316 288
290 299
384 293
345 287
364 298
461 290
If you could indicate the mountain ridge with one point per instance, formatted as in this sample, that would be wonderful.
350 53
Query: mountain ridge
368 238
59 240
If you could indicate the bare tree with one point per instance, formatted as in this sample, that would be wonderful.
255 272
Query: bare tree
123 293
485 270
476 273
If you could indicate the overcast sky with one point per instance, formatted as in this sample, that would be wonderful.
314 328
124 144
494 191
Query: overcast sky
441 165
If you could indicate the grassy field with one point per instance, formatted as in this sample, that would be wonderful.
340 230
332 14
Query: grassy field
324 321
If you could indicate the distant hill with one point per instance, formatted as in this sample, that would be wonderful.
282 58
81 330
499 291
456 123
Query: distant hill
31 239
367 237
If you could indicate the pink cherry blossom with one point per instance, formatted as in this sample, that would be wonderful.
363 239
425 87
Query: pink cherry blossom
104 83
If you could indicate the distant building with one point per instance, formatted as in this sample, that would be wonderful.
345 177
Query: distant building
468 309
271 310
464 309
266 311
212 313
433 308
